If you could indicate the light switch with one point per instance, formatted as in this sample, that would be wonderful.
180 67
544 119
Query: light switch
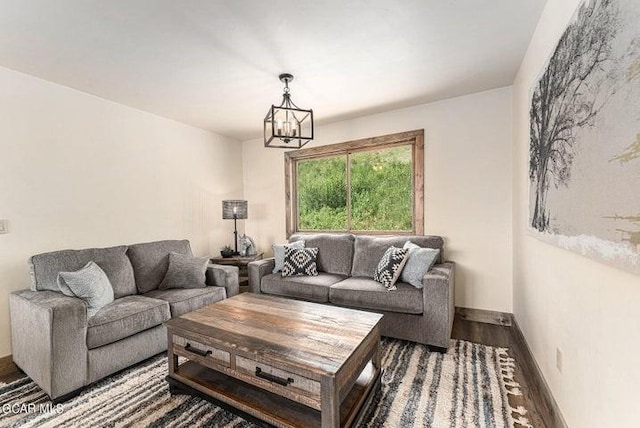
4 226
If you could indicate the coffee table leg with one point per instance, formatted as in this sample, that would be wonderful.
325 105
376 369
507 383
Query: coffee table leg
377 356
173 359
330 404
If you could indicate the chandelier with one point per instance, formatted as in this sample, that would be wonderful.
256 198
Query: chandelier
287 125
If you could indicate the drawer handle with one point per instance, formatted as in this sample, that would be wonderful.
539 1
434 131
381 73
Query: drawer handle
189 348
271 378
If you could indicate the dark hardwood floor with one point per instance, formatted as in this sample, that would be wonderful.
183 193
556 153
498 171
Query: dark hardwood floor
11 377
540 414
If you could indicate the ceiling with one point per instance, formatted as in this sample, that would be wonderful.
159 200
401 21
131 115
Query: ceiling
214 64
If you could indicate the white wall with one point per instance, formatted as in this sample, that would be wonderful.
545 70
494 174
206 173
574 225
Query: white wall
563 300
468 186
77 171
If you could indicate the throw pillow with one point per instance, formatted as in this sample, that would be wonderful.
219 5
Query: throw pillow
90 284
390 266
185 272
300 261
278 253
419 261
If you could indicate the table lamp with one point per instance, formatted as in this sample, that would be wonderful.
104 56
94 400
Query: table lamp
235 209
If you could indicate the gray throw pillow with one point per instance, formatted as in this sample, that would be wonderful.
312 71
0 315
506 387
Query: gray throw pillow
300 261
419 261
185 272
278 253
90 284
390 266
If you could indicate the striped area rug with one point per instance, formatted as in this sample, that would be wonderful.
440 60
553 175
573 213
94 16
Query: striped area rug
466 387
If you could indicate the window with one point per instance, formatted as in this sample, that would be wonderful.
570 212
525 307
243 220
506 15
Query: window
374 185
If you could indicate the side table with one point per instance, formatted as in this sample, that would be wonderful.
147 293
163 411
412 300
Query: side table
241 262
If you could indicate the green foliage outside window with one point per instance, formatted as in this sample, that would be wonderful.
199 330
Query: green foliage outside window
381 189
322 197
380 194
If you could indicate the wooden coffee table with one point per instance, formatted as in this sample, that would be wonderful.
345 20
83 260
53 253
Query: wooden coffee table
285 362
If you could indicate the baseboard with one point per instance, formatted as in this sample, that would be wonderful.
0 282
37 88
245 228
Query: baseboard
7 366
538 383
481 315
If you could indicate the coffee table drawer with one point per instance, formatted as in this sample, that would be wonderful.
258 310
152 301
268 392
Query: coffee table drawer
200 352
278 379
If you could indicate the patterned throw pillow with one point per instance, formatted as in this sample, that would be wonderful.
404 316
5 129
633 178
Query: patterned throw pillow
390 266
300 261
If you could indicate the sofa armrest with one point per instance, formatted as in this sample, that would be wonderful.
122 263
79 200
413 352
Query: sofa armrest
224 276
439 301
48 337
257 270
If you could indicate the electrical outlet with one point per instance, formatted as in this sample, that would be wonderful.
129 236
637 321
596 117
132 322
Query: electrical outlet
559 359
4 226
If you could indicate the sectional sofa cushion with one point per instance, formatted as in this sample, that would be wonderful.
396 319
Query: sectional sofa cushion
186 300
184 272
150 261
365 293
311 288
368 250
125 317
90 284
335 251
44 268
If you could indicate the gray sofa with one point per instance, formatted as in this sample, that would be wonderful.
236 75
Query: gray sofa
62 350
346 264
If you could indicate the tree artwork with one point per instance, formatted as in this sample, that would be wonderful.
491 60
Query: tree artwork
584 145
568 96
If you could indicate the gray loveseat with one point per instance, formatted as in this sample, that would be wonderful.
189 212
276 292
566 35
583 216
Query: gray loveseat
62 350
346 264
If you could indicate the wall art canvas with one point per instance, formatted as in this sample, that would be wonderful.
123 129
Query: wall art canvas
584 152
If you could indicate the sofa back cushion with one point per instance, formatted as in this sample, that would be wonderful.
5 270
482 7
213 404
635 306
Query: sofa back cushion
368 250
44 268
335 251
150 261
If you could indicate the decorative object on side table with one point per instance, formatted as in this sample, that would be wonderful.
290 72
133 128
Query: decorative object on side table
235 209
241 262
226 251
247 246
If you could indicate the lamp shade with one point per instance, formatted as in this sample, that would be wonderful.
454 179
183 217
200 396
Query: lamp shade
234 209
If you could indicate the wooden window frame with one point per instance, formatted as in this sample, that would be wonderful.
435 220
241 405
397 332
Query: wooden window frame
413 138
